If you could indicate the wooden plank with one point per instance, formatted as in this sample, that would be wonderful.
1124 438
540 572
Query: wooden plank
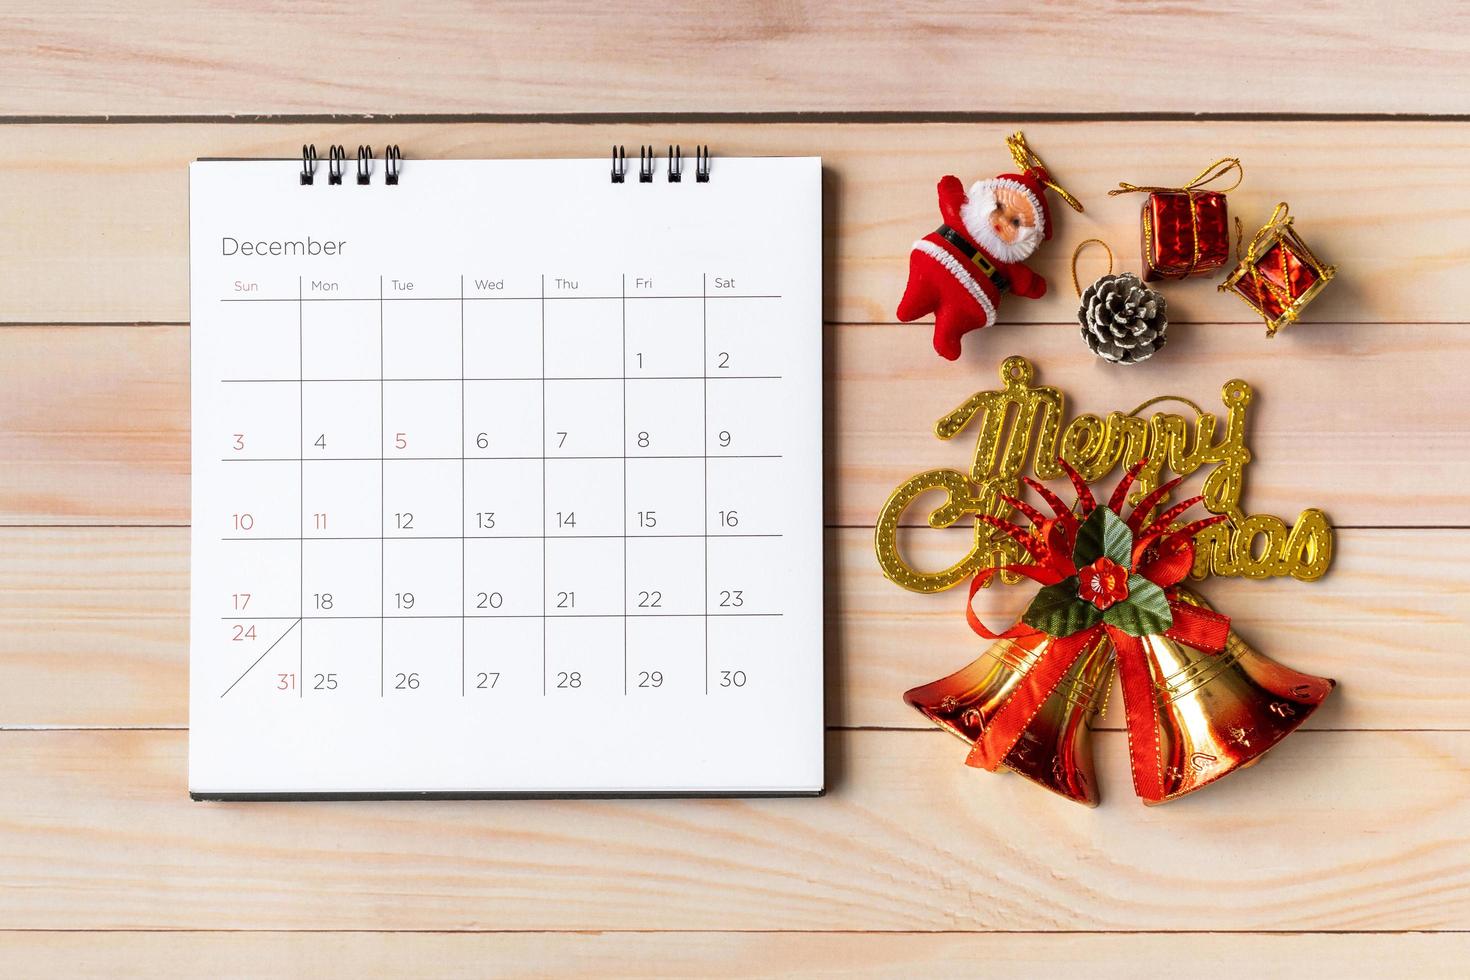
96 420
1234 56
714 955
1341 830
1351 418
96 630
96 626
105 206
1374 623
95 425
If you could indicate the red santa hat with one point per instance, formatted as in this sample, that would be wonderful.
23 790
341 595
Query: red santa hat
1032 183
1034 180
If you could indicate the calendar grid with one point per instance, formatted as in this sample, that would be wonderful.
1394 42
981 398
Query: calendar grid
545 383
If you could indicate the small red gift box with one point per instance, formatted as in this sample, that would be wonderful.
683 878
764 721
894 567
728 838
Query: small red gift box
1186 230
1278 275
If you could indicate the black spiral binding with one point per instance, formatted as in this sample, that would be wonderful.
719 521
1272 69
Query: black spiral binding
336 160
648 162
393 164
337 164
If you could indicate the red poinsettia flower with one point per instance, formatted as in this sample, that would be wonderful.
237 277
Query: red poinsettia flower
1097 567
1103 583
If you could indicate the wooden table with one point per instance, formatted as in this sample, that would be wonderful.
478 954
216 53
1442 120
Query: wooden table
1347 850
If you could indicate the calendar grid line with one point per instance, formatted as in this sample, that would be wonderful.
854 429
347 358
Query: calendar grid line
469 615
478 299
704 344
491 459
489 537
462 494
544 628
590 377
382 503
300 486
623 314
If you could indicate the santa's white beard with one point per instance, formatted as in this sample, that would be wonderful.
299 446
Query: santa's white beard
976 211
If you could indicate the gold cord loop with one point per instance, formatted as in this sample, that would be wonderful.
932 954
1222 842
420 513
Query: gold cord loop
1213 172
1078 251
1027 160
1278 217
1169 398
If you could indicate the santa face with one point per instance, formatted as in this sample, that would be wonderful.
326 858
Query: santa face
1003 219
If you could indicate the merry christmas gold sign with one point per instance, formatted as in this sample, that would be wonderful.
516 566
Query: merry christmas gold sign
1022 428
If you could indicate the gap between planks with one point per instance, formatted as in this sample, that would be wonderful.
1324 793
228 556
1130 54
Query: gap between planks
815 118
737 932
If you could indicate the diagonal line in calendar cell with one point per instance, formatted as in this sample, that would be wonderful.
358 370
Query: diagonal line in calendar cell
264 655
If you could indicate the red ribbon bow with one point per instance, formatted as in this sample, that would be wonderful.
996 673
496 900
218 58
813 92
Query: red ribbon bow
1161 555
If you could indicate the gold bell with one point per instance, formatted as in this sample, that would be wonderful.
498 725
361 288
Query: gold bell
1055 750
1220 712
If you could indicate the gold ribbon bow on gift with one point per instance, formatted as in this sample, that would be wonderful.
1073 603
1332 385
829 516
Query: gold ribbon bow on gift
1213 172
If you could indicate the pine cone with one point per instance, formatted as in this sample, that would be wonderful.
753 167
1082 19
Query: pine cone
1122 319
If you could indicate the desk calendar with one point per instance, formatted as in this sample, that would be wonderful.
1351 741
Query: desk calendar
506 479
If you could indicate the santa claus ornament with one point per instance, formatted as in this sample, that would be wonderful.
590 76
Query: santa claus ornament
959 271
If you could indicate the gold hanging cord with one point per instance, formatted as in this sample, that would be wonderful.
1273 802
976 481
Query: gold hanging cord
1078 251
1027 159
1278 217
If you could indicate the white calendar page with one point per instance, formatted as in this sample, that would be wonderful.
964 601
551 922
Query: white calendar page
506 480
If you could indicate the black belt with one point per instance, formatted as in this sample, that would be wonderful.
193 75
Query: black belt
975 256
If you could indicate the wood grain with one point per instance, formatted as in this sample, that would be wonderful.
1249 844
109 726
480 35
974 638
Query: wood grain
1334 830
616 956
104 238
1332 424
95 629
1346 836
1233 56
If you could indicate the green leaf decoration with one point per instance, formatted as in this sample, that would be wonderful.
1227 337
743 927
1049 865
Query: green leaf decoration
1145 611
1058 611
1103 534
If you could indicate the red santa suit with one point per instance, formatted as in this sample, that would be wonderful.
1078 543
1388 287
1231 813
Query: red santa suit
959 271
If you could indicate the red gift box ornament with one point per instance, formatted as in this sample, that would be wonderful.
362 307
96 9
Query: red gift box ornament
1278 274
1186 230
